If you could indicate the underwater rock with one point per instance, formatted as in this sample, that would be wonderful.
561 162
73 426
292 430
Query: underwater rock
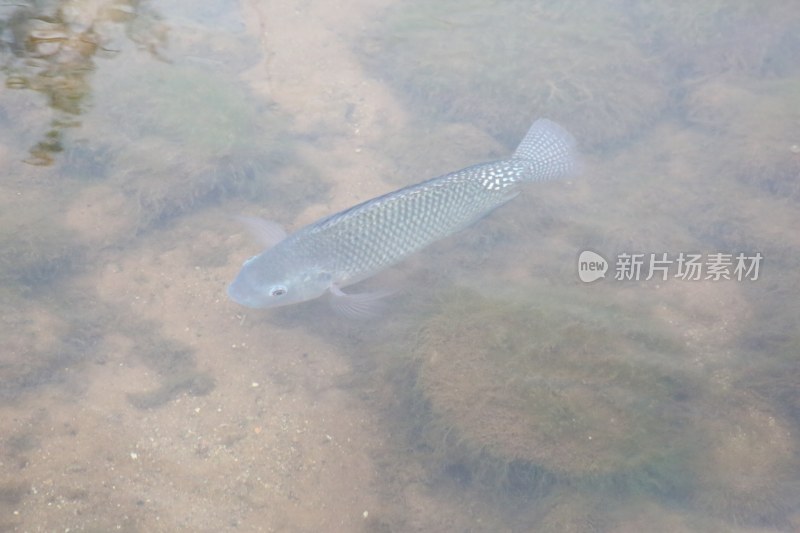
547 388
748 471
778 383
756 124
199 138
704 39
504 62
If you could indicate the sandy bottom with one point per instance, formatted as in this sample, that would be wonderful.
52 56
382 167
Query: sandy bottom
275 446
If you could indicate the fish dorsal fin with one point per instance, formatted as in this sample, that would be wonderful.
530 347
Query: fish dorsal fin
267 232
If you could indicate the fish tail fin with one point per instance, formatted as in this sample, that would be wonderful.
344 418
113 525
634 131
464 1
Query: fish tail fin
551 151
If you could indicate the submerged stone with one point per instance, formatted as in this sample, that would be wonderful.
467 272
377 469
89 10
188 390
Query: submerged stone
577 393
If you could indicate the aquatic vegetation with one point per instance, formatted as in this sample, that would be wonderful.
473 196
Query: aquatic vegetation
573 511
175 365
607 92
771 345
43 346
86 162
549 391
35 254
756 122
185 104
779 384
582 511
702 39
606 71
609 397
200 138
749 473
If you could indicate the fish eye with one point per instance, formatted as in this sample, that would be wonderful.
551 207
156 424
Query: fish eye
277 291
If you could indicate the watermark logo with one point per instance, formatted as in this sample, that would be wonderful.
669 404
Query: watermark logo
591 266
663 266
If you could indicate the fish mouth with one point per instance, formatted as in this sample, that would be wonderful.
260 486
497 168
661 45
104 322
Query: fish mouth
242 295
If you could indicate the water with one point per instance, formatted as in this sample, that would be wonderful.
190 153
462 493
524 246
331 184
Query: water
499 393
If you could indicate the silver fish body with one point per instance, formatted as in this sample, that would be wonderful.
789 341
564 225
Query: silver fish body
356 243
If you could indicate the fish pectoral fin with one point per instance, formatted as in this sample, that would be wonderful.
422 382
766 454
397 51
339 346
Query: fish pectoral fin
361 306
266 232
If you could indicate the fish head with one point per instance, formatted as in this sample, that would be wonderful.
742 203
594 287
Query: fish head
266 281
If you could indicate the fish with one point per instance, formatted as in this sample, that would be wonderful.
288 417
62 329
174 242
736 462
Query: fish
342 249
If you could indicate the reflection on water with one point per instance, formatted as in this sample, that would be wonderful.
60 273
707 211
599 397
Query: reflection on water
52 47
505 395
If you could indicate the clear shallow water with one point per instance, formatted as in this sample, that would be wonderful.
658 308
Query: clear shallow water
500 392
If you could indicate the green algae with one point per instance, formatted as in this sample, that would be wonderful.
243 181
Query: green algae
47 347
136 142
199 140
530 395
570 389
702 39
36 253
543 391
746 469
176 138
525 66
203 111
44 346
172 135
756 124
608 72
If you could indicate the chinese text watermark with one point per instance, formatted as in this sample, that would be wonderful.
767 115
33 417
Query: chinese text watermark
662 266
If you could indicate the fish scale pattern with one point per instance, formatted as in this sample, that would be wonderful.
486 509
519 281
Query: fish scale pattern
358 242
